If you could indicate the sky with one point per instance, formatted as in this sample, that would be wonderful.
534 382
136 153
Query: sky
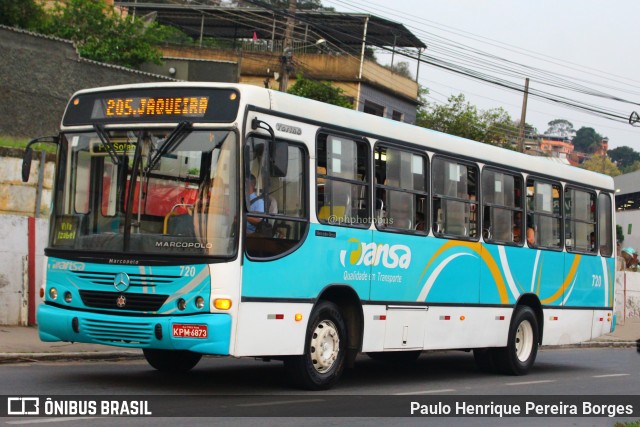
592 43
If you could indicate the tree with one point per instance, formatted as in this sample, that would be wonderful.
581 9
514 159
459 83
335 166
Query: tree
401 68
631 168
458 117
623 156
530 131
320 91
598 164
561 128
587 140
25 14
101 34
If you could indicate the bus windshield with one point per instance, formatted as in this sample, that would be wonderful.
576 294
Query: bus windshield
169 191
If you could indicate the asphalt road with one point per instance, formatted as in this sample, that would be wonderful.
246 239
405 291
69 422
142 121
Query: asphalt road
371 394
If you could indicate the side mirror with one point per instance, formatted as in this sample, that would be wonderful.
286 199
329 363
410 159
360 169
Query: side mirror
26 164
279 159
28 153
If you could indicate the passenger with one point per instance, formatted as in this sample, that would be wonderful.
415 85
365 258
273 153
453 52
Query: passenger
256 204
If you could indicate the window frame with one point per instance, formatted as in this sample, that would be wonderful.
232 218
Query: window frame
389 228
434 196
484 204
569 219
304 218
609 228
560 215
365 183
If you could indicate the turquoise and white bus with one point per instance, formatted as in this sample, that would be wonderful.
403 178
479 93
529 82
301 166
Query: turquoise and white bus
196 219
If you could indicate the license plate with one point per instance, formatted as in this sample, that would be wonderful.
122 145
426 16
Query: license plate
189 331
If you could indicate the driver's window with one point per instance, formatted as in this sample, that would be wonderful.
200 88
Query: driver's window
275 206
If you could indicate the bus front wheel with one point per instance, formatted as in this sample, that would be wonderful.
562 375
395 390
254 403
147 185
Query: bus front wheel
522 346
171 360
323 360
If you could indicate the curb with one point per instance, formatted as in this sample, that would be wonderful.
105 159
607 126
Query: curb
594 344
8 358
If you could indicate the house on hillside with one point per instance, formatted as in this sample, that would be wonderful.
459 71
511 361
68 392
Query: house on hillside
253 46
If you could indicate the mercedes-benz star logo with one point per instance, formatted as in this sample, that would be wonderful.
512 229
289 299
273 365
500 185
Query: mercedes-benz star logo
121 282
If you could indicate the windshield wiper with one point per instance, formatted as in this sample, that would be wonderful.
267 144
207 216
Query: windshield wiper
170 143
104 137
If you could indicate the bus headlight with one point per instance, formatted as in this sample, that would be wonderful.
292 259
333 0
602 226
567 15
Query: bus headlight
199 303
53 293
182 304
67 297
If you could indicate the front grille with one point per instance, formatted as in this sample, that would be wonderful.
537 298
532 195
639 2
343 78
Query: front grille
121 333
100 278
137 302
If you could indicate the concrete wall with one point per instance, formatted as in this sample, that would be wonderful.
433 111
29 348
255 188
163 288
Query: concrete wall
39 75
13 268
20 198
627 303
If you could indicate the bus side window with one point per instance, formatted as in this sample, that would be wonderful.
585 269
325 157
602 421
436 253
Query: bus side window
455 189
342 181
544 214
401 189
605 237
502 212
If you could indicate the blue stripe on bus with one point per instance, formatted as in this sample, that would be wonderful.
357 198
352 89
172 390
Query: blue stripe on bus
383 266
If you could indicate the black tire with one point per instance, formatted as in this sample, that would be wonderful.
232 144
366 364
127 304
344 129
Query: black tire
522 346
395 356
323 360
171 360
485 359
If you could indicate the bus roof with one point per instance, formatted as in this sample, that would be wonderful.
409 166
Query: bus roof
387 129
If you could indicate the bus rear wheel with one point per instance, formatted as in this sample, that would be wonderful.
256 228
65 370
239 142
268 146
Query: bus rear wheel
323 360
522 346
171 360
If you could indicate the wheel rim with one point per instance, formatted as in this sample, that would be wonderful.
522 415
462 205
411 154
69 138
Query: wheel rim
324 346
524 341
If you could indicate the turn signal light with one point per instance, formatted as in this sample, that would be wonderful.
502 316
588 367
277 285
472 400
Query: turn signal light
222 303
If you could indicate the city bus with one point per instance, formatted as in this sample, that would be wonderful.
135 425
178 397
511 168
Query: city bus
193 219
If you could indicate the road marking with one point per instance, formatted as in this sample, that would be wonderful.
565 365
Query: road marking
444 390
280 402
532 382
611 375
49 420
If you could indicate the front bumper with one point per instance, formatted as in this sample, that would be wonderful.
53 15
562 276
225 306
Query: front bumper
59 324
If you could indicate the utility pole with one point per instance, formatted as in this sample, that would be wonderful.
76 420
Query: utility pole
286 47
523 116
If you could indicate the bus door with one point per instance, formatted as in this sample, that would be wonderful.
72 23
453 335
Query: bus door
400 244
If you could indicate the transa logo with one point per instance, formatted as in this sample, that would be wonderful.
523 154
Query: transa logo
391 256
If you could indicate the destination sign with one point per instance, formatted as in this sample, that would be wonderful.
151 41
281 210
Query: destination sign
143 106
153 105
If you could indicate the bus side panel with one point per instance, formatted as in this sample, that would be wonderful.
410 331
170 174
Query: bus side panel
445 271
566 326
588 281
466 327
338 257
320 261
269 329
508 272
